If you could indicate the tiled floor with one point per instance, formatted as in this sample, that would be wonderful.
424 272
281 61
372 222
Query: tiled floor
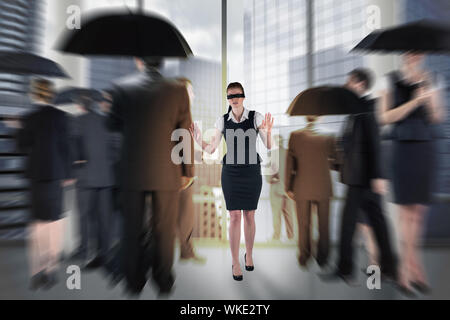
276 276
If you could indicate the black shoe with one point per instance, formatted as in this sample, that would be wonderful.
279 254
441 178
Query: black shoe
95 263
406 291
421 287
237 278
322 263
51 280
77 256
248 268
38 280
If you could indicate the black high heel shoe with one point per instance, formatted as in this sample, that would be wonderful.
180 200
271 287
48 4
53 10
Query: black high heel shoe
421 287
248 268
237 278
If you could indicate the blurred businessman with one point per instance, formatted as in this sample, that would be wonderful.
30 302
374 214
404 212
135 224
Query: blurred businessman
147 108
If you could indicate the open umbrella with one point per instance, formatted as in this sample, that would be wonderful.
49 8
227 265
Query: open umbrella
326 100
426 36
71 94
26 63
127 34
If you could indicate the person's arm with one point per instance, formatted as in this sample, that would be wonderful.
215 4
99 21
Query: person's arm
291 167
24 134
115 117
386 116
333 153
265 130
185 122
64 137
435 105
377 181
373 145
211 147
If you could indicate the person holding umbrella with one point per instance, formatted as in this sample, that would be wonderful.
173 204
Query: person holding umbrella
360 170
411 104
308 181
45 135
241 171
147 109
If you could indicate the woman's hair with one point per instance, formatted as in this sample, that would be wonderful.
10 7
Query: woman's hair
235 85
362 75
42 89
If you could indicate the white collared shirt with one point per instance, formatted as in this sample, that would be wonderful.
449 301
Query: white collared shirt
258 119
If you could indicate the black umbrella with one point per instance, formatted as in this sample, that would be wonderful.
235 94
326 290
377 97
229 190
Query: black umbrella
326 100
25 63
424 36
73 94
129 34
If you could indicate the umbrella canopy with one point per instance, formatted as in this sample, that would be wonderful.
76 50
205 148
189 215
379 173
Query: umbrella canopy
25 63
326 100
128 34
72 94
424 36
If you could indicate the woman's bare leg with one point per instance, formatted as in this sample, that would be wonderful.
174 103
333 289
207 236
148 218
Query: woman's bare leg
406 219
56 230
369 243
235 239
249 233
35 248
417 266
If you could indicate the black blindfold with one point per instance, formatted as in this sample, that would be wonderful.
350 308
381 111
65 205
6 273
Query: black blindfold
239 95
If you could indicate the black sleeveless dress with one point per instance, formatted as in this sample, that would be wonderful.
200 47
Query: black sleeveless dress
241 170
413 157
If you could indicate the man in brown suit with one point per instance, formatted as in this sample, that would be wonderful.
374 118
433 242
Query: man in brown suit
147 109
308 181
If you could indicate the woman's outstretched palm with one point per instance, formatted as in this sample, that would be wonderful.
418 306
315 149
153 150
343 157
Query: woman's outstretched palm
267 123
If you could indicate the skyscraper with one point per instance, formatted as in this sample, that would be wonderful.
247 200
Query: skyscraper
20 29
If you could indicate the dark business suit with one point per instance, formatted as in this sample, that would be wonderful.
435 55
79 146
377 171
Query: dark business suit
45 137
361 164
147 109
94 144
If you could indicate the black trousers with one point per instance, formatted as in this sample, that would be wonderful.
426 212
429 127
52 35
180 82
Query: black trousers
148 239
370 202
95 215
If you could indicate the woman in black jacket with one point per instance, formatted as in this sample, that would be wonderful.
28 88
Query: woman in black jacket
411 104
45 137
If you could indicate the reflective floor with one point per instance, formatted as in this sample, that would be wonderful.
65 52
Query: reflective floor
276 276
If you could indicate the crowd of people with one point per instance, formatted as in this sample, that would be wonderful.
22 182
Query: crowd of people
134 201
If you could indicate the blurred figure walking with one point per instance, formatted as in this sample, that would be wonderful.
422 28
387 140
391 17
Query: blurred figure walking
45 136
308 181
282 205
412 103
186 218
96 158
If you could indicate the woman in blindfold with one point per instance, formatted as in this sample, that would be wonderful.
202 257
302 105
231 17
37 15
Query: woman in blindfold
241 171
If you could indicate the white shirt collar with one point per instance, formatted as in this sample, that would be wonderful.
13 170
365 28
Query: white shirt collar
243 117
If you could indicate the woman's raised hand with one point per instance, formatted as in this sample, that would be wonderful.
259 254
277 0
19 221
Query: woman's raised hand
267 123
196 133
